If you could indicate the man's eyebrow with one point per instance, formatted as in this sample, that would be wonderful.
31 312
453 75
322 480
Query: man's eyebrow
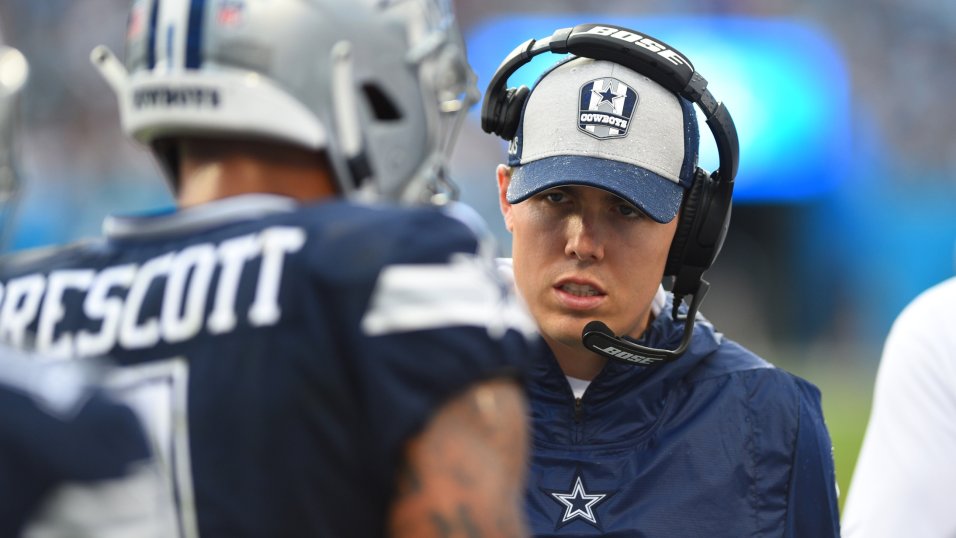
611 197
617 199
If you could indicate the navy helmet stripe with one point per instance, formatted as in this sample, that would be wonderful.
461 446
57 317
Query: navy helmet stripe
194 34
151 36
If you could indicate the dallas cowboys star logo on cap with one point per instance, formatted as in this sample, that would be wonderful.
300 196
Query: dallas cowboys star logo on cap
607 96
578 503
606 107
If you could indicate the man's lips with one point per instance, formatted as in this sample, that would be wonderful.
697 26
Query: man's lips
579 294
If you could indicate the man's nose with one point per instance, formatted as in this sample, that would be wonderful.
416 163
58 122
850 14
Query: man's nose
584 239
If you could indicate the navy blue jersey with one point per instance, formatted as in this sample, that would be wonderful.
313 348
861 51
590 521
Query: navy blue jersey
65 446
281 355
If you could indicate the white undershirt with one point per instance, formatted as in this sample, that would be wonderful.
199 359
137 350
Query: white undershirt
578 386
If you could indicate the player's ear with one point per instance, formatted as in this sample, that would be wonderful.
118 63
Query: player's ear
504 179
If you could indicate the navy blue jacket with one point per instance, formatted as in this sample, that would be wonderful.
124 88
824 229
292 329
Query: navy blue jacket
717 443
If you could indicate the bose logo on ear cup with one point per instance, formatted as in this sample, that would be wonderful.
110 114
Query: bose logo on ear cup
670 55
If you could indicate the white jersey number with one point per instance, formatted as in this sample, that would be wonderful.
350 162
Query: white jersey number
157 392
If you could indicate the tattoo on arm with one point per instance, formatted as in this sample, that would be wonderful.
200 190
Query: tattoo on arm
460 525
463 475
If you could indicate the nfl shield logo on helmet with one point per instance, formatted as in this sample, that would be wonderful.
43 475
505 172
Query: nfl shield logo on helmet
607 105
230 12
137 21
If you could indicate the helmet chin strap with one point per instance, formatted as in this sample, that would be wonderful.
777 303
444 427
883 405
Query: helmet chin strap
598 338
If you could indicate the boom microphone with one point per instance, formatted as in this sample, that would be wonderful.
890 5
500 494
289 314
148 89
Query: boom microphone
601 340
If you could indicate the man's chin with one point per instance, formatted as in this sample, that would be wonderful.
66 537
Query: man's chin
567 334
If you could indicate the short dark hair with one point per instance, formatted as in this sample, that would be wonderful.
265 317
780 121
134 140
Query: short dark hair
212 148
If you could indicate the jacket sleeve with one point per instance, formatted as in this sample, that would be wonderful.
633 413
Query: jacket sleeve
812 501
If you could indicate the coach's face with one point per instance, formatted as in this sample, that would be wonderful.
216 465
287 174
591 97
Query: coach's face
583 254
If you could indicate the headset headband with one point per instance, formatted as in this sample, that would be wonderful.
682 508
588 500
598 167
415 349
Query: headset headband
653 58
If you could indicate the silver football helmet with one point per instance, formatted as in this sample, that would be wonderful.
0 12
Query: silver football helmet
381 85
14 71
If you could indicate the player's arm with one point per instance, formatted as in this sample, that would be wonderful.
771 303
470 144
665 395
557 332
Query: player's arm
463 474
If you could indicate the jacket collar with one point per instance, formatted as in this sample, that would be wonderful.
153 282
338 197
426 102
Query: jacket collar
624 393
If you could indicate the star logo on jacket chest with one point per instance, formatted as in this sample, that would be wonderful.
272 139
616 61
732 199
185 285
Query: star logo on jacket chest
578 503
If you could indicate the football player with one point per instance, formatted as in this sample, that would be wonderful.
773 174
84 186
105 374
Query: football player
313 358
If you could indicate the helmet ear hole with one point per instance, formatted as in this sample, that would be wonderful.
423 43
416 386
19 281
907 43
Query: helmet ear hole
383 107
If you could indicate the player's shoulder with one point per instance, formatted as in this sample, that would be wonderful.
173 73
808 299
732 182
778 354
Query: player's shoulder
932 306
47 256
389 221
943 292
371 236
921 344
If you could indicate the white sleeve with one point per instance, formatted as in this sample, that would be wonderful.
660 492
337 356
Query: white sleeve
904 477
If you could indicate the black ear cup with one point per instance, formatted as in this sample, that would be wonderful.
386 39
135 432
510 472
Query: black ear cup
511 115
685 223
689 257
507 113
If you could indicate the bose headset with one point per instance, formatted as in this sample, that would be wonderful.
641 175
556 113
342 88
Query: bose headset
705 214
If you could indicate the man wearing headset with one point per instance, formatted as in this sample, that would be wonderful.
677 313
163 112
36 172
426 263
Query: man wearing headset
651 423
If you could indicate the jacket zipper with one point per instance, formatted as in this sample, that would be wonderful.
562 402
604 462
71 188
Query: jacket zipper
578 419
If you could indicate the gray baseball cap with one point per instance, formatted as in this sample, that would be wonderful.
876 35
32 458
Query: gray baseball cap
600 124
